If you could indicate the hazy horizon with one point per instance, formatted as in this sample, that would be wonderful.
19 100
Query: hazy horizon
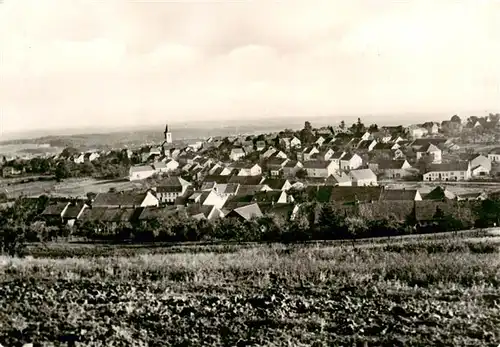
271 123
117 64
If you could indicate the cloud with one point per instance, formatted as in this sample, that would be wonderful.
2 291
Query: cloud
78 63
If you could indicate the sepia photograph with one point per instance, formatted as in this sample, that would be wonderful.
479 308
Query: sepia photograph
249 173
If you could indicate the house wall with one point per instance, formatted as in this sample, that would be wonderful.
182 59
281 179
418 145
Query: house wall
396 173
352 164
214 199
436 156
317 172
480 171
150 200
135 176
447 176
168 197
295 142
236 156
365 182
494 157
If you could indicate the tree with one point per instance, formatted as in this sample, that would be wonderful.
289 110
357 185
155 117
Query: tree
329 222
62 171
342 125
456 119
358 128
373 128
306 134
301 174
356 226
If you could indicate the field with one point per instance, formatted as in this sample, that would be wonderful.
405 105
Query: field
442 292
73 187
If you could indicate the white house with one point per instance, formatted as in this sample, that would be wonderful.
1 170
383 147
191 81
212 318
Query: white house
291 168
278 154
480 166
236 154
350 162
394 168
456 171
336 157
295 142
267 154
275 165
208 198
494 155
417 132
319 168
226 189
320 140
140 172
169 165
363 177
169 189
366 136
341 180
250 170
323 155
430 150
277 183
308 152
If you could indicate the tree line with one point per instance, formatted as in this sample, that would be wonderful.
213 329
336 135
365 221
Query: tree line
22 223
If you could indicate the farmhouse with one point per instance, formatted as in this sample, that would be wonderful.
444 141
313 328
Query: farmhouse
226 189
249 169
395 168
141 172
207 198
277 183
494 155
336 157
208 212
401 195
246 213
308 152
430 150
350 162
125 200
480 166
456 171
275 165
237 153
319 168
341 179
169 189
363 177
164 167
295 142
291 168
323 155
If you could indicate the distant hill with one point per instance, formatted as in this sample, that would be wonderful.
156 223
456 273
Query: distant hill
118 138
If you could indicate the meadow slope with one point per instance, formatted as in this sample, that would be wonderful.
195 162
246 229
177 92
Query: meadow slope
415 293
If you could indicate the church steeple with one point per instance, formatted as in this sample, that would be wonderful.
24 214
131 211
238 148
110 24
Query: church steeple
167 135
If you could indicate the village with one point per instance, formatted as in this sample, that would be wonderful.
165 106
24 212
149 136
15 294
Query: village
247 177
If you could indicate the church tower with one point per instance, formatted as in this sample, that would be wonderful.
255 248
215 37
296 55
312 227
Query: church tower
168 135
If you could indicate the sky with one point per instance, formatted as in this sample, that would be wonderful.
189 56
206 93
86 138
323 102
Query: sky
90 63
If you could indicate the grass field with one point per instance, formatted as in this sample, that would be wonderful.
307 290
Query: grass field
79 187
414 293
